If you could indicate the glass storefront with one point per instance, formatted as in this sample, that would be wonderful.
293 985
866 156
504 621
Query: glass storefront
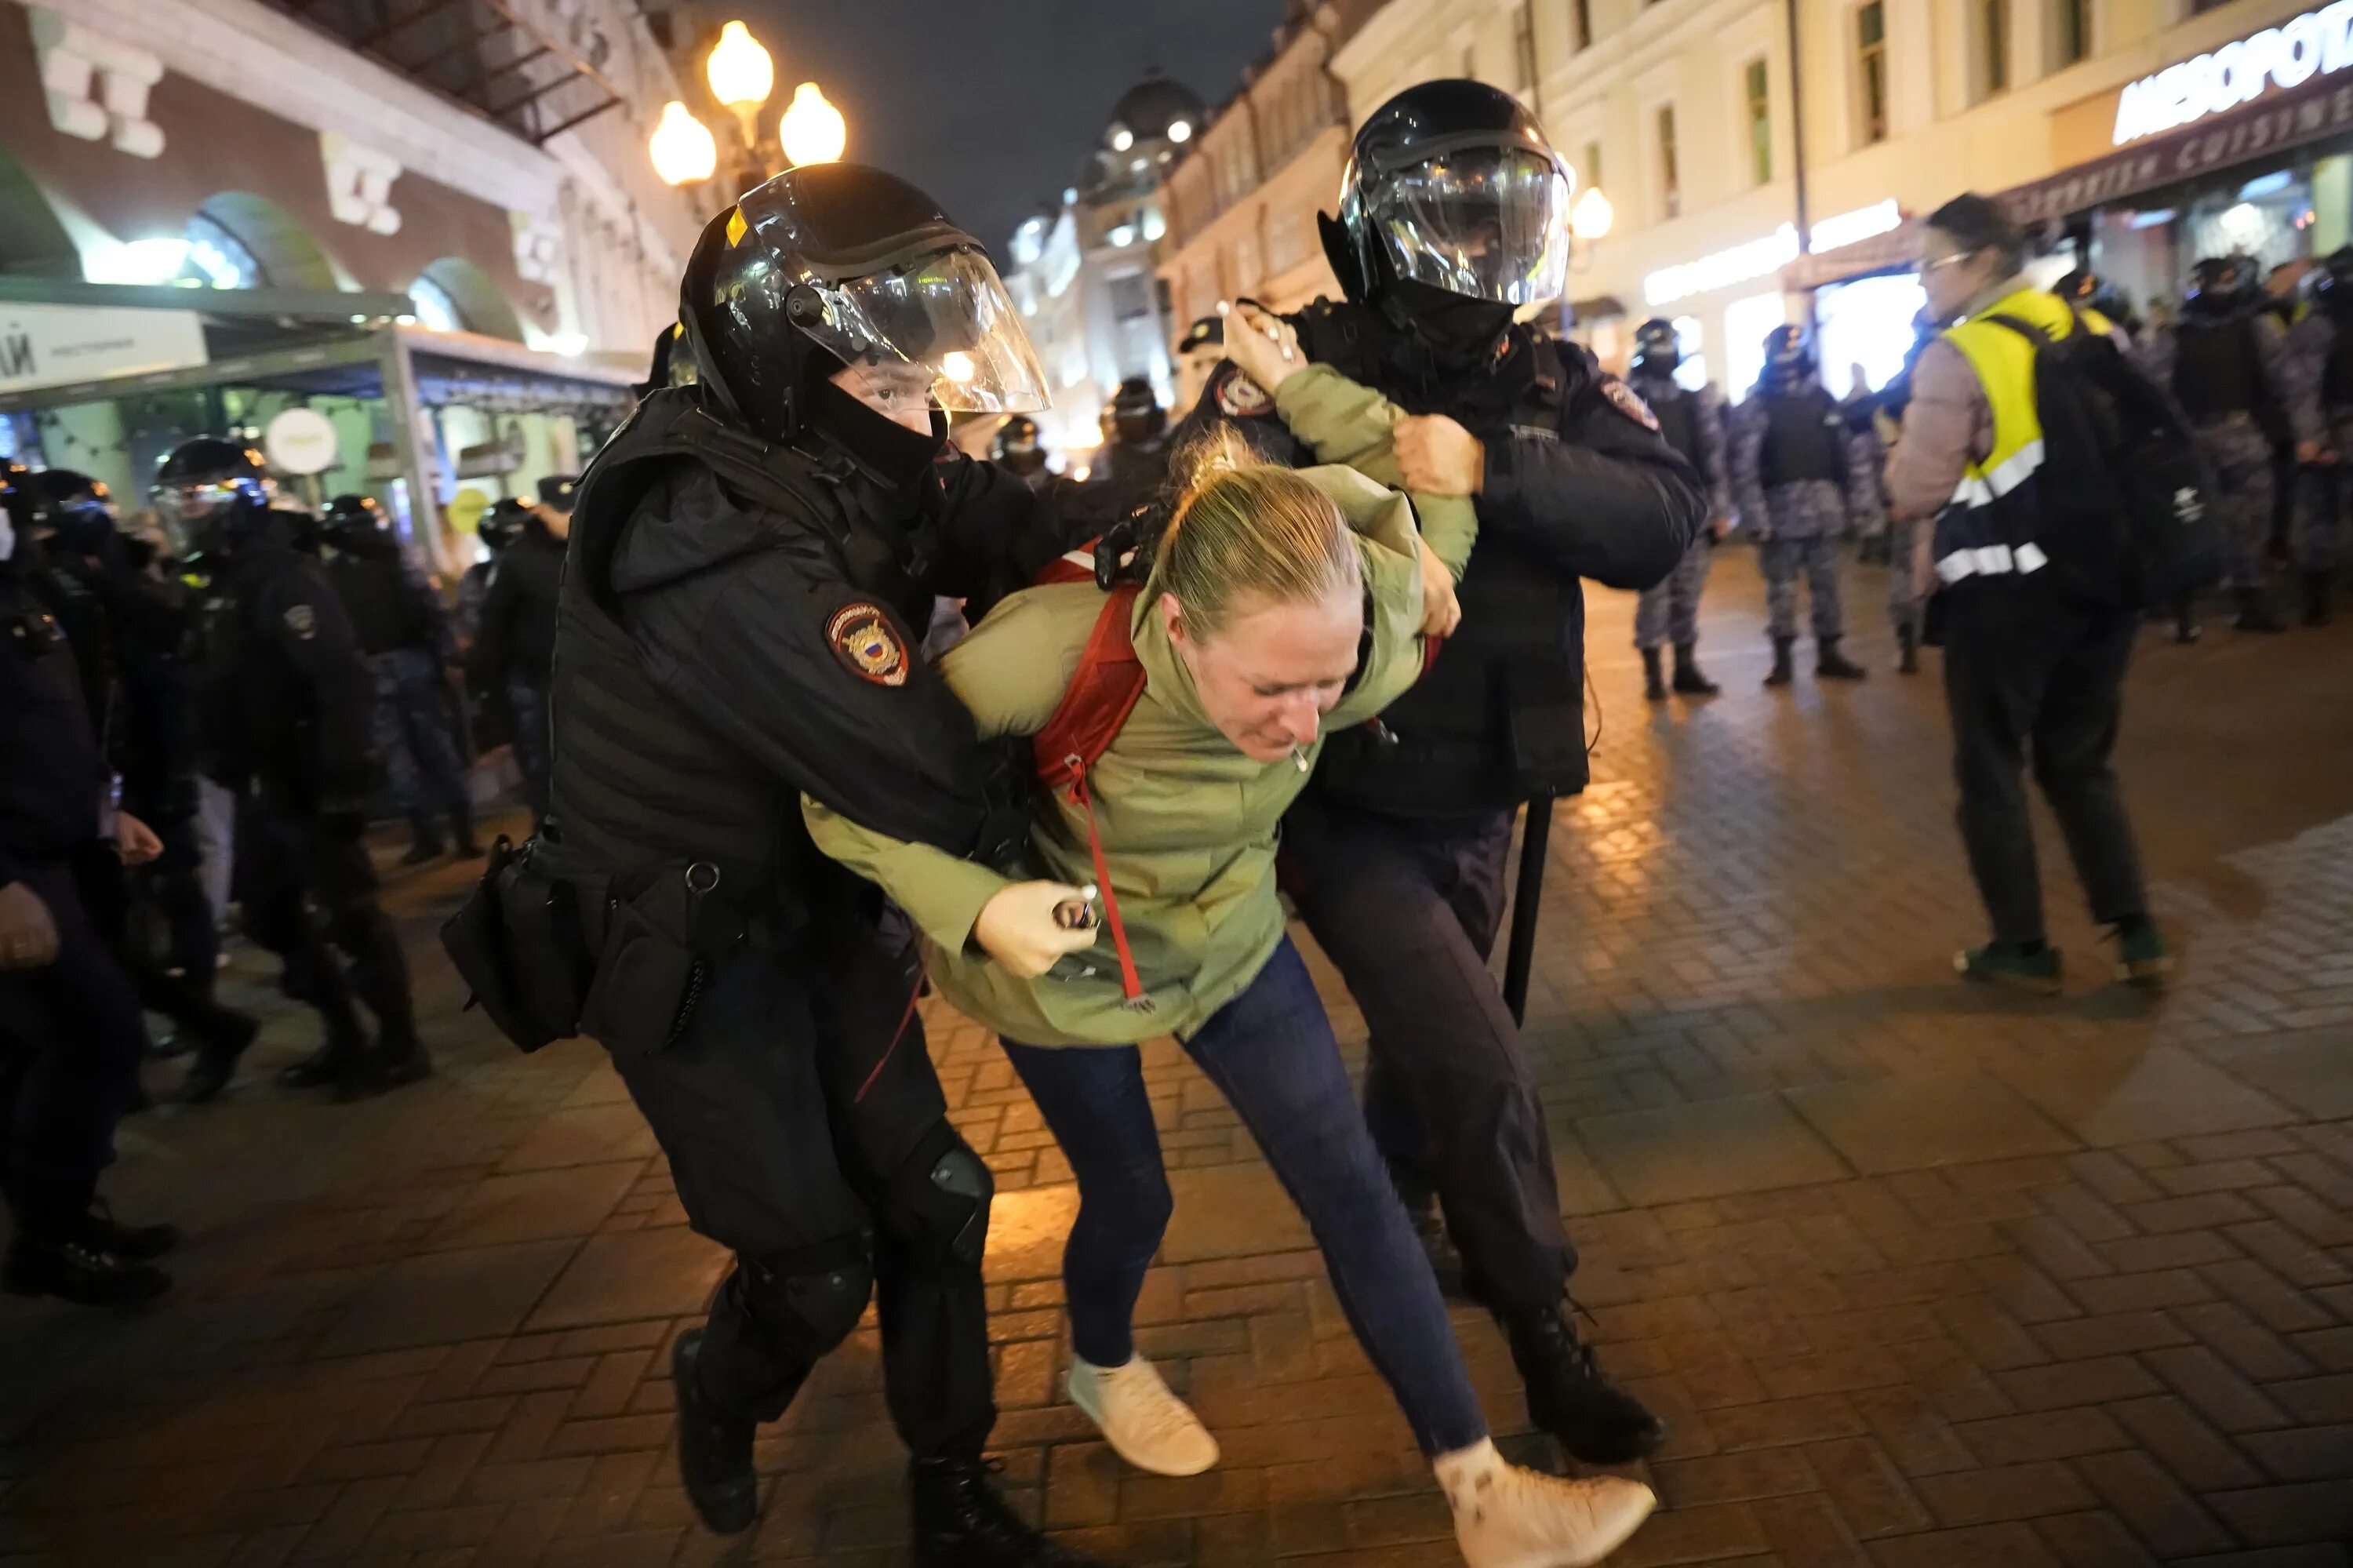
1866 323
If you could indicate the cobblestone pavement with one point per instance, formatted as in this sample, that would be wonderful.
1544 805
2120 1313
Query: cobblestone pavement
1920 1274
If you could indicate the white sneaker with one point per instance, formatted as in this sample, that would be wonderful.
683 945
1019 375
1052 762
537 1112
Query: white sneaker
1505 1517
1145 1424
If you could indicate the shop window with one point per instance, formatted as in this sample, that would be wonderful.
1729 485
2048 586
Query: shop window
1580 24
1746 323
1524 48
1758 100
1130 299
218 258
435 307
1671 174
1690 363
2071 41
1871 69
1993 46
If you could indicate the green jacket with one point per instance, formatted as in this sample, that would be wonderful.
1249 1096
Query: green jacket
1189 824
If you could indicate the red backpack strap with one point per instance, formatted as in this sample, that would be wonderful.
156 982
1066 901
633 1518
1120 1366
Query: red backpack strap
1103 693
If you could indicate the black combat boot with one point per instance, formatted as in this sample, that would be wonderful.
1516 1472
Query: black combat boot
2185 619
461 833
216 1057
714 1450
1829 664
1654 678
1782 673
961 1521
1689 682
2254 614
132 1244
424 840
2317 591
328 1064
1594 1419
1907 638
76 1269
398 1059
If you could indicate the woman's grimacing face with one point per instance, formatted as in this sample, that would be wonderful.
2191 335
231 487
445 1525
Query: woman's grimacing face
1951 273
1267 677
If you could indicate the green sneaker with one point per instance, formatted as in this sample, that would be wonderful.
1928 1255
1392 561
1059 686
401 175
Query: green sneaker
2000 963
2142 959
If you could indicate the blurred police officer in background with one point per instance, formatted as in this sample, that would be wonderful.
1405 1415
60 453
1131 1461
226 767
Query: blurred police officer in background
286 708
1198 354
1801 486
501 525
1692 423
2224 359
749 568
1018 450
404 634
71 1037
515 645
2320 382
1453 214
1133 461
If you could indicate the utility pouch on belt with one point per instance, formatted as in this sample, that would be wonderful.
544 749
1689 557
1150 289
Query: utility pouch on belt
657 951
518 944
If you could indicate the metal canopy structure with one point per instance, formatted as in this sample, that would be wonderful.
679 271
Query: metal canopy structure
535 77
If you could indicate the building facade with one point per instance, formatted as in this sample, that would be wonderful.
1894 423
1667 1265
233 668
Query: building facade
472 176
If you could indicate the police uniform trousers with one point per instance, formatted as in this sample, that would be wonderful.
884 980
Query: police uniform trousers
72 1039
1805 520
1408 910
2324 502
156 922
1669 612
412 733
527 711
2031 677
1905 604
2242 456
308 889
806 1132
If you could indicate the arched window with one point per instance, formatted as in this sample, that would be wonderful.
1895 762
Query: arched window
435 308
218 258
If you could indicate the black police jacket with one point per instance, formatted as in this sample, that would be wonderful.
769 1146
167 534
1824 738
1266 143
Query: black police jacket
131 634
1578 483
287 703
388 609
53 778
740 624
515 629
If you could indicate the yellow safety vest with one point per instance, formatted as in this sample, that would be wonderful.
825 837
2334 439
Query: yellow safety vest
1989 530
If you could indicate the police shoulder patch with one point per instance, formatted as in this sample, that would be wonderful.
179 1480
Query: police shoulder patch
1241 397
868 643
1629 402
302 621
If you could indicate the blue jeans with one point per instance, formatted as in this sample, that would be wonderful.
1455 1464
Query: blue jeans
1271 1052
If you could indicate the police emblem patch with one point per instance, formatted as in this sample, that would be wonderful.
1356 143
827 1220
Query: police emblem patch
302 621
1629 403
869 643
1241 398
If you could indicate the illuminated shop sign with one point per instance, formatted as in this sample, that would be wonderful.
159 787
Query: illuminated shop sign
1763 258
2287 56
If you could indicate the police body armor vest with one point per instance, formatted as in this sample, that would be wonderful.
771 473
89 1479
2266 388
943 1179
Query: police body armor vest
2337 373
1805 437
2214 369
1500 717
1678 416
638 786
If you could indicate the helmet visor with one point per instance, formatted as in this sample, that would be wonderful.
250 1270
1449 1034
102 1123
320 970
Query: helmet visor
1489 223
945 313
184 506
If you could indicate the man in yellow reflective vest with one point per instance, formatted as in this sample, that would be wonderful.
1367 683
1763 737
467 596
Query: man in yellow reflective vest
2025 667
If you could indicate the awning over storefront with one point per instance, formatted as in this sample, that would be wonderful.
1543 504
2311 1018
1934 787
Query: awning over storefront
1897 250
2320 108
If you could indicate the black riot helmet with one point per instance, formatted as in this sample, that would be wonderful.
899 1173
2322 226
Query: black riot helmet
1017 446
1656 348
835 265
1206 331
503 523
1453 193
2218 284
71 511
1136 416
215 493
357 525
15 508
2078 287
1789 356
2332 286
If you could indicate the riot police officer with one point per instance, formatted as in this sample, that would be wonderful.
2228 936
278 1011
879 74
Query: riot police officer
1692 423
404 634
1453 214
287 707
501 525
516 643
1132 461
2223 360
1198 354
70 1033
747 558
2320 378
1801 486
1020 452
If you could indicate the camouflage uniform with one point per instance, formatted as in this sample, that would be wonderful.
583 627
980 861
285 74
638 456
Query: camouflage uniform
2322 493
2237 445
1797 526
1669 612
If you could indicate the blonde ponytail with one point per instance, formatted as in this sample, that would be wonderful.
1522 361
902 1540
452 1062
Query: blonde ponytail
1243 528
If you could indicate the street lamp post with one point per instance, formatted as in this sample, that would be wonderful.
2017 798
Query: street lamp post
742 75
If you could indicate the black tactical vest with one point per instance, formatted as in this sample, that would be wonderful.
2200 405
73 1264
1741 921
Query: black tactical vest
1501 716
1805 437
1677 412
2336 373
2215 373
637 785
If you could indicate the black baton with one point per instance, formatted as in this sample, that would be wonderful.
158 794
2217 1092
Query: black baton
1535 838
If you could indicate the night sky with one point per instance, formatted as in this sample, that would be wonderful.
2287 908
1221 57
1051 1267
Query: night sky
991 104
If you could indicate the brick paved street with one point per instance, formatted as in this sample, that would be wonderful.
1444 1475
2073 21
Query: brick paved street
1920 1274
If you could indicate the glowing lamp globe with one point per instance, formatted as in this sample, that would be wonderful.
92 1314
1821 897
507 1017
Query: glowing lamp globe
812 131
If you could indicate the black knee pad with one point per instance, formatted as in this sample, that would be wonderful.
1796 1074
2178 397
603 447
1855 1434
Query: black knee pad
937 1202
808 1301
